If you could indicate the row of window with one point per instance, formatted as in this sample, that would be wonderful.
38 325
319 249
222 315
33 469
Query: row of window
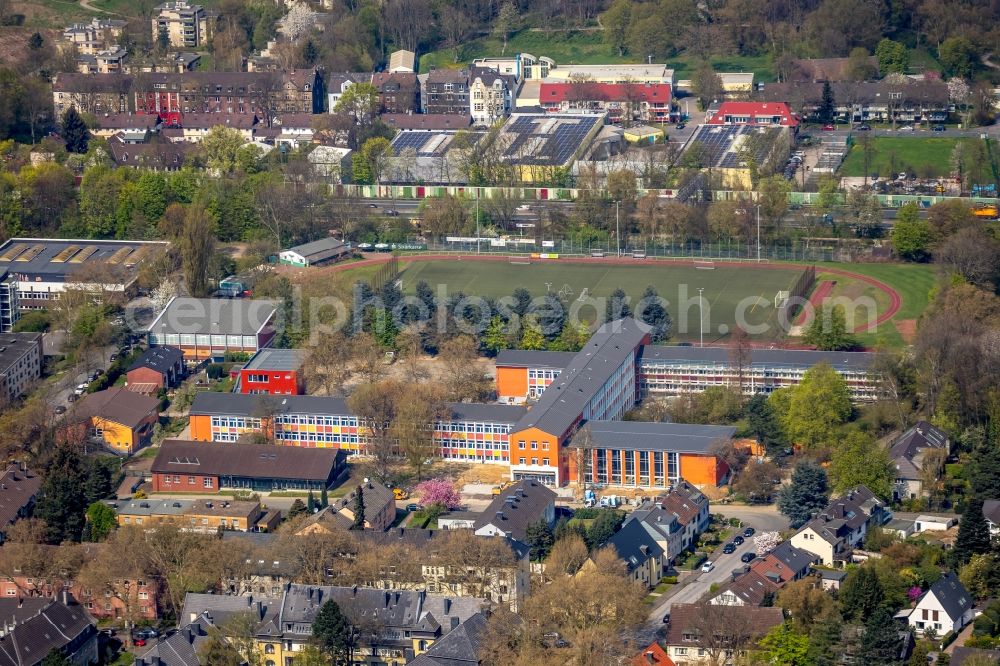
188 340
191 480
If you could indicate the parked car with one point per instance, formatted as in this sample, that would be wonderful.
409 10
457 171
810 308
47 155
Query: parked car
728 548
738 540
938 128
666 618
828 128
707 566
147 632
139 642
113 357
905 128
748 532
748 557
863 128
60 409
392 213
681 126
413 506
373 205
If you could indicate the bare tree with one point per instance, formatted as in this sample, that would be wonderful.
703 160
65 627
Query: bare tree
723 630
740 356
375 405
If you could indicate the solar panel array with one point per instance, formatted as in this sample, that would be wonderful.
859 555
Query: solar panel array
546 140
427 144
729 146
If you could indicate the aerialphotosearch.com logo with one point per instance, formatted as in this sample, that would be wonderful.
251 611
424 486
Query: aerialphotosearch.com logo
441 312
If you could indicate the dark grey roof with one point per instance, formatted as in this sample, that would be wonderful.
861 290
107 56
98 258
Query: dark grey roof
244 404
647 436
496 413
221 607
15 345
161 359
40 626
991 509
960 654
462 647
322 249
261 461
563 402
921 436
276 359
180 648
832 574
234 316
844 514
952 595
517 507
55 259
769 358
17 489
534 359
634 545
794 558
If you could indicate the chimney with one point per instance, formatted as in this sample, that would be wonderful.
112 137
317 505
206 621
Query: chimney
454 622
65 597
499 515
447 606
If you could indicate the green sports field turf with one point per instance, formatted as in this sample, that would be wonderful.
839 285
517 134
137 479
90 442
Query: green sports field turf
724 287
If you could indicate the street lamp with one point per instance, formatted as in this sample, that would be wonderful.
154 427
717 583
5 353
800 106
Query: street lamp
758 233
618 233
701 317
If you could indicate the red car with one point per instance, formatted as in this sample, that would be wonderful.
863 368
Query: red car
828 128
139 642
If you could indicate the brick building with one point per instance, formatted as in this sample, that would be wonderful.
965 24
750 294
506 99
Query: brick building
157 368
273 372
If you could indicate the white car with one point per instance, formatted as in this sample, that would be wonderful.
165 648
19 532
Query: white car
905 128
707 566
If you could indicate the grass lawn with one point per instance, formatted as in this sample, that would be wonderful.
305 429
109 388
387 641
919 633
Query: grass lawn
725 287
926 156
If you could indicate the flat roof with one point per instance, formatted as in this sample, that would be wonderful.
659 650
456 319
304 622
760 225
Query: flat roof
564 401
276 359
623 72
785 358
55 259
262 461
221 316
15 345
527 358
645 436
181 507
210 403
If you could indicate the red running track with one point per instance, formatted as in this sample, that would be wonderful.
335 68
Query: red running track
895 301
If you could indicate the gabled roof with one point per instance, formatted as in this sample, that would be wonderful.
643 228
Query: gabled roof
686 502
517 507
635 545
991 509
794 559
653 655
751 588
484 412
161 359
17 487
264 461
117 404
782 358
40 626
844 514
180 648
427 121
914 441
756 112
461 647
951 594
241 121
128 121
960 654
754 621
321 249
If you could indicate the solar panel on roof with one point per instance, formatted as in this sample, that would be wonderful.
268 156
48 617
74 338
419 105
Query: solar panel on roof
84 254
13 251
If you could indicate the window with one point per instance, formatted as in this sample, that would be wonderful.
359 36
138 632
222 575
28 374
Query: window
680 651
534 445
520 461
534 461
207 482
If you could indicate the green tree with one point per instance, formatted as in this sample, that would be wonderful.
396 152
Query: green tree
859 460
333 634
984 470
359 509
531 335
827 105
859 66
75 132
55 657
958 56
783 646
652 312
973 533
221 147
825 640
618 306
805 495
911 236
706 85
370 163
881 642
101 519
62 504
861 594
496 336
36 41
298 508
603 528
893 57
311 503
324 498
828 331
616 23
981 576
815 407
763 425
540 538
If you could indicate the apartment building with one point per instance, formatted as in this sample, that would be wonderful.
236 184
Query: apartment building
491 95
181 24
89 93
264 94
622 102
103 61
10 305
99 34
398 92
446 92
20 364
204 516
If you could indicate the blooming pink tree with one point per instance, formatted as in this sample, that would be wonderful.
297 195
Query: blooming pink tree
439 491
766 542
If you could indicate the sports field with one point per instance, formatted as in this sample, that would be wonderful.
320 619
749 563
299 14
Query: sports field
725 286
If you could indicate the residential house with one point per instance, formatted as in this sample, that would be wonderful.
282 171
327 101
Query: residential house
89 93
316 253
120 419
210 327
273 372
293 130
398 92
181 25
991 509
664 526
463 646
642 555
945 608
905 101
491 95
747 589
690 506
766 114
162 155
20 363
103 61
194 127
157 368
653 655
379 513
766 576
624 103
18 489
918 455
182 647
519 506
338 83
834 533
446 92
831 579
716 634
206 467
35 627
203 516
261 94
110 124
94 36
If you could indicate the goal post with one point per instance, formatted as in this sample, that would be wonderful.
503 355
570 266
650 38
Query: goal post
704 264
780 298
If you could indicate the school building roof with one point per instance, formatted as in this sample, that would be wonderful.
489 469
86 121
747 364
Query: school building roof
233 316
263 461
643 436
784 358
211 403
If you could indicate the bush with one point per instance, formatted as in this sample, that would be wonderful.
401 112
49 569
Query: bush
214 371
670 580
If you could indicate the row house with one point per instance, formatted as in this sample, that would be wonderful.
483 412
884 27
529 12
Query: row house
760 581
675 521
883 101
623 102
836 530
97 94
202 516
398 92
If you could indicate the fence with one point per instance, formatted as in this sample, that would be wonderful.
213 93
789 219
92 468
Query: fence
788 309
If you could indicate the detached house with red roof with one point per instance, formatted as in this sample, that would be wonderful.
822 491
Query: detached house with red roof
645 102
766 114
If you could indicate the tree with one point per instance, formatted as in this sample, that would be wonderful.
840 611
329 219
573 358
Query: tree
359 509
881 642
783 646
62 504
981 576
505 22
972 254
756 482
958 56
911 236
973 533
439 491
372 160
221 148
616 25
55 657
102 520
765 542
828 330
806 603
859 66
197 248
567 555
618 306
531 335
540 539
827 105
622 186
825 640
861 594
416 411
75 132
812 411
298 508
311 503
651 311
893 57
805 495
706 85
763 425
859 460
333 634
